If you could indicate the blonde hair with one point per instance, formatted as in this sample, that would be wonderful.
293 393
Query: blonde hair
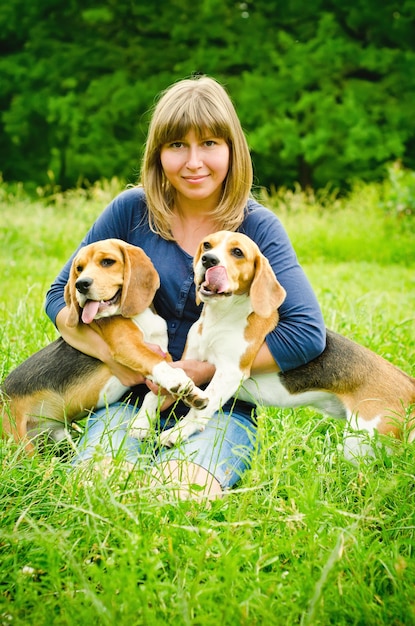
200 104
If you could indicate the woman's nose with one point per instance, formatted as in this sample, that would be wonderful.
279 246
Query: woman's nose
194 158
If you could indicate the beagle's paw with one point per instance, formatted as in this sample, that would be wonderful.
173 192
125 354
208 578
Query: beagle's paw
184 429
140 428
195 398
178 384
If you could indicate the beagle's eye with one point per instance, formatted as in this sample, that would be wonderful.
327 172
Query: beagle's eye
206 245
238 253
79 268
107 262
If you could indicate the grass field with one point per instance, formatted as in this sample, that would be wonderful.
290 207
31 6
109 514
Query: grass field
306 538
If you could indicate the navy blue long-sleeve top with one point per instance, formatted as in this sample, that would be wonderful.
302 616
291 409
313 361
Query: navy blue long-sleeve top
300 334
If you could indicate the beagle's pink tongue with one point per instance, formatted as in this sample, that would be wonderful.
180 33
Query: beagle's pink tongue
216 279
89 311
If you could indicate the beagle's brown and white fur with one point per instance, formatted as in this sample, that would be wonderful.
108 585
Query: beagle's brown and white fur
241 296
111 287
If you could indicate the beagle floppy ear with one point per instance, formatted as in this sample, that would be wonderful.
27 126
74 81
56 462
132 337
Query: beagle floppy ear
195 262
70 299
141 281
266 293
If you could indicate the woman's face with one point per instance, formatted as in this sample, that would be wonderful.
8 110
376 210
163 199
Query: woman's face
196 167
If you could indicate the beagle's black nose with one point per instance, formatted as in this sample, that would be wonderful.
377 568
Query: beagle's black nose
83 285
209 260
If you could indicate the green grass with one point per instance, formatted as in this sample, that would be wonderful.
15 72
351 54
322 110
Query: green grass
306 538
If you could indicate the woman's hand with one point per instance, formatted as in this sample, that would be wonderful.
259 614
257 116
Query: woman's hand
201 372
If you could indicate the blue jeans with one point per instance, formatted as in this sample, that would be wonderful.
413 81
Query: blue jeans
224 448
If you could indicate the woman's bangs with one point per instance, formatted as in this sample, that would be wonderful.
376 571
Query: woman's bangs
195 116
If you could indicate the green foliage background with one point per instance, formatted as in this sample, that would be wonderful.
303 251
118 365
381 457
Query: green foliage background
324 89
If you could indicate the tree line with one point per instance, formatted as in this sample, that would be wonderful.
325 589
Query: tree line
325 89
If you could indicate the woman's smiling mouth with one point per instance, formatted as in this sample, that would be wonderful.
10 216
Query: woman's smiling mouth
195 179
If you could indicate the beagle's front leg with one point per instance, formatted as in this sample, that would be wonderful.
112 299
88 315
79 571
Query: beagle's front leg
141 425
127 346
178 384
224 384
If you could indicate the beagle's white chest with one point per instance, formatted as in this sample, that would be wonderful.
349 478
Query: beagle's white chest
219 337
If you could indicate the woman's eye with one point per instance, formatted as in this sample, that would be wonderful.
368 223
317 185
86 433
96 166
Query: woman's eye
210 143
176 144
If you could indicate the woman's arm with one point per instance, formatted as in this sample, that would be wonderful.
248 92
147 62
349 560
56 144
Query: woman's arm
83 338
300 334
201 372
264 362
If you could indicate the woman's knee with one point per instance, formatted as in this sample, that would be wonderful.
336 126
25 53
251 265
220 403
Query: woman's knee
107 434
185 480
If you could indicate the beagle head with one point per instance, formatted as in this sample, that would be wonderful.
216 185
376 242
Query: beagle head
107 278
228 263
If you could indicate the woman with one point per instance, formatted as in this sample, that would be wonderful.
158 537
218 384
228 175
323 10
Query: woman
196 179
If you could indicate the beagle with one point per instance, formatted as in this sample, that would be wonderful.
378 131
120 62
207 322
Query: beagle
241 296
111 287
